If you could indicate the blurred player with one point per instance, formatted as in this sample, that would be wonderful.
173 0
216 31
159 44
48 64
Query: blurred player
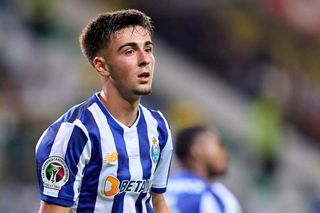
202 158
109 153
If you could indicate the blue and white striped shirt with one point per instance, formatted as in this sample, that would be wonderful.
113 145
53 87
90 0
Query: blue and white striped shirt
89 161
188 193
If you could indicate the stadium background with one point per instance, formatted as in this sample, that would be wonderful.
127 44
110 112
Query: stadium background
250 68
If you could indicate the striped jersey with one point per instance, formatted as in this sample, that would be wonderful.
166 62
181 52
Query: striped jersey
188 193
89 161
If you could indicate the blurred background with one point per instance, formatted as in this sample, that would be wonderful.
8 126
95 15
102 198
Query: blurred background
250 68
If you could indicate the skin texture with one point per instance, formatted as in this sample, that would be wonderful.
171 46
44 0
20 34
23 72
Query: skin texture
51 208
126 70
159 203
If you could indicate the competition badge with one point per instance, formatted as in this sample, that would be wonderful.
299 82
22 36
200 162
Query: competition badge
54 173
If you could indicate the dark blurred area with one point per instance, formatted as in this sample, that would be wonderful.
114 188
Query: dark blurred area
257 47
267 52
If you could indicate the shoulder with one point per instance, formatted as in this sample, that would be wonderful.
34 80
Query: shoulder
181 183
76 112
156 118
155 114
70 121
231 202
221 189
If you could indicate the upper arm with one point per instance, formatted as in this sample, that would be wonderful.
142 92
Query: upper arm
52 208
159 203
163 167
61 156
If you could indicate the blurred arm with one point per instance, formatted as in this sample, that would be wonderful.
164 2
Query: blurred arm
52 208
159 203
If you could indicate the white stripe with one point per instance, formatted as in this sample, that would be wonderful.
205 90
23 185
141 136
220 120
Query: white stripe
160 176
144 207
208 204
61 141
50 192
39 141
129 204
231 203
107 146
160 181
135 167
83 161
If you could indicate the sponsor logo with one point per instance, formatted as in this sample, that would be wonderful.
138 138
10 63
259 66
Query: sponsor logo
112 186
155 150
111 158
54 173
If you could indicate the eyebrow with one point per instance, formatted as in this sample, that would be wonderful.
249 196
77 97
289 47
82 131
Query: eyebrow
133 44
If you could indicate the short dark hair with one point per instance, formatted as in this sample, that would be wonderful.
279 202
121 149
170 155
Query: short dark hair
185 138
96 35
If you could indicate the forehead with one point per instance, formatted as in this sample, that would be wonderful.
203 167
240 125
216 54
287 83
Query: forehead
207 138
131 33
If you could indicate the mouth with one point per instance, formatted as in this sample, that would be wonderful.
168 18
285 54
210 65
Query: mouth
144 76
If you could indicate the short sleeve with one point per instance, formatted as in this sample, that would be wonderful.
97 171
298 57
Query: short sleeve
161 174
61 155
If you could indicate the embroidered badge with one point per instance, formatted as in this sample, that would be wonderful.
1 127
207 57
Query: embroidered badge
54 172
155 150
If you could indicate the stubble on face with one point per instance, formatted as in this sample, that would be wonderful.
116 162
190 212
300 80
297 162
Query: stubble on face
126 78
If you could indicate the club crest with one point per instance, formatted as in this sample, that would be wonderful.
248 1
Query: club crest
155 149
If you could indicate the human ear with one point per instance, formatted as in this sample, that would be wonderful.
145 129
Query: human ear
101 66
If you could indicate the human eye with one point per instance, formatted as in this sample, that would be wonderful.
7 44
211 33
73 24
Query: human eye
149 49
129 52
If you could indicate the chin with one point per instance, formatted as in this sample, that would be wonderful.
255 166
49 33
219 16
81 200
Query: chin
142 92
217 172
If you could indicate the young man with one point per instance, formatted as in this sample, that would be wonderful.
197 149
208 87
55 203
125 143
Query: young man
109 153
202 158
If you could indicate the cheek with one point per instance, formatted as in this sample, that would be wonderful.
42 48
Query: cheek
223 159
120 72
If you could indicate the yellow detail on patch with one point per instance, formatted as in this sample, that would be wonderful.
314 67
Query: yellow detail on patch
154 141
111 157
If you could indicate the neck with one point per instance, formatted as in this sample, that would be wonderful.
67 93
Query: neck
197 168
123 110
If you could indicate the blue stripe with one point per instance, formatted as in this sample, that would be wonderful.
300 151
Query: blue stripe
144 145
72 114
149 208
219 201
111 121
162 129
44 149
123 164
89 187
146 163
159 190
139 202
75 148
163 138
189 202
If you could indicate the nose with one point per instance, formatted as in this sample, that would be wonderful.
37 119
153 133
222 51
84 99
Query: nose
144 58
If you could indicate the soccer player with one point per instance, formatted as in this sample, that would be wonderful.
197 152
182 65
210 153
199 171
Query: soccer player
202 158
109 153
